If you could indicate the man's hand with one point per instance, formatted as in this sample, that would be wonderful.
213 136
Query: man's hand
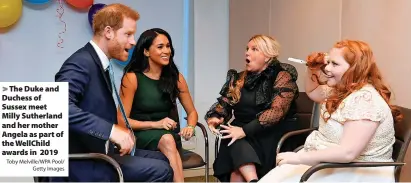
213 122
124 138
233 132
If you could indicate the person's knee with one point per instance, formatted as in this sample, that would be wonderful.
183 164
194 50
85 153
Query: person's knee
235 173
154 171
236 176
168 143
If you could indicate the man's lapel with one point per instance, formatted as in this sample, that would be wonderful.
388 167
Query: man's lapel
97 60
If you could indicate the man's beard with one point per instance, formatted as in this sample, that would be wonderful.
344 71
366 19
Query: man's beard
115 50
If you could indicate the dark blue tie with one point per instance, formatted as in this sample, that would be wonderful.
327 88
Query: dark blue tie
113 85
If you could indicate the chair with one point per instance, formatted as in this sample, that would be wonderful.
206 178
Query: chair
304 113
189 158
402 140
304 119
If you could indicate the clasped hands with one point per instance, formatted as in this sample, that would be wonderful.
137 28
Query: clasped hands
233 132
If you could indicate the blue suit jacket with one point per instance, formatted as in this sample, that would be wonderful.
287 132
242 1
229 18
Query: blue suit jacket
92 110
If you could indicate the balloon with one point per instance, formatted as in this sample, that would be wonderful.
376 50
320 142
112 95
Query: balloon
37 1
93 10
81 4
10 12
124 63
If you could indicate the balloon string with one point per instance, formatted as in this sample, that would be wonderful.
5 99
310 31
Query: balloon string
60 12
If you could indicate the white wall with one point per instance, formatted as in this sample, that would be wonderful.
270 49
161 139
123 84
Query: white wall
29 52
210 59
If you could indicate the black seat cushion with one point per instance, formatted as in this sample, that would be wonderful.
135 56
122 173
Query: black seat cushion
191 159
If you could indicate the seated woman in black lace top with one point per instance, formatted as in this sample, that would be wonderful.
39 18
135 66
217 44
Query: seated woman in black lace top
261 97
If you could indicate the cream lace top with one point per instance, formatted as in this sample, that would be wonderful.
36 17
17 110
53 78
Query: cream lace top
365 103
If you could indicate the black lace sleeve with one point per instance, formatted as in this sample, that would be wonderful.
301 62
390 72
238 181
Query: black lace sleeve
223 107
285 90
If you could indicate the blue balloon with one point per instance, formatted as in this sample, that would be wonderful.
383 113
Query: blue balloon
37 1
124 63
93 10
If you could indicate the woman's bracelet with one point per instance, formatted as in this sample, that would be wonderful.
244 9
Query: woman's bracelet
192 127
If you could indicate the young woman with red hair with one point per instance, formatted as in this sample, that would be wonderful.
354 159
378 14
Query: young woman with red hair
356 123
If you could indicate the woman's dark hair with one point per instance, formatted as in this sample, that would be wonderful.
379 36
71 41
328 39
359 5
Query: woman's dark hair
139 62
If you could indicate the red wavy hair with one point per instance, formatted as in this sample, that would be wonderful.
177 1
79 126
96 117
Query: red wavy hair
363 70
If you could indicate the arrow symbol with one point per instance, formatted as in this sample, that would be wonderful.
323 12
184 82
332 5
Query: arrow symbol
4 89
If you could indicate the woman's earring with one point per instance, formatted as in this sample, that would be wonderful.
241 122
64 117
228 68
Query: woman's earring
146 53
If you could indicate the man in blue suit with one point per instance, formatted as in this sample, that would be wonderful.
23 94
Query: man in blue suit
92 112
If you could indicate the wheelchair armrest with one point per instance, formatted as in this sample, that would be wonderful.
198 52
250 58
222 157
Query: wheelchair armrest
85 156
321 166
290 134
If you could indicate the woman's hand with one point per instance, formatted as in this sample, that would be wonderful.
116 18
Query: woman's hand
317 61
213 122
187 132
234 132
288 158
167 124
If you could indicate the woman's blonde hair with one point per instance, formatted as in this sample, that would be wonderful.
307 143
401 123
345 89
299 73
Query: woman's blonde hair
270 48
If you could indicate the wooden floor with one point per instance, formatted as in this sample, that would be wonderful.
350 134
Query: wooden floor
200 179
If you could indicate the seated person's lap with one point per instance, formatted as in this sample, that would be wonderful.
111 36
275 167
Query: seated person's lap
143 166
149 139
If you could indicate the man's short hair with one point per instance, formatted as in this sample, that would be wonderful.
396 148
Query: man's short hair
113 15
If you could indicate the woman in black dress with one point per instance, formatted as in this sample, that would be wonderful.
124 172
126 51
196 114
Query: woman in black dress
262 99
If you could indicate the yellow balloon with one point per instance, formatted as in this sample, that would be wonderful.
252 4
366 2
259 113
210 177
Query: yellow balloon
10 12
